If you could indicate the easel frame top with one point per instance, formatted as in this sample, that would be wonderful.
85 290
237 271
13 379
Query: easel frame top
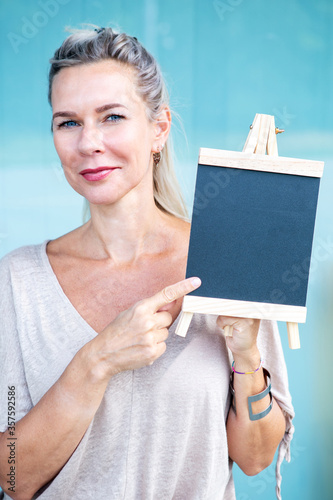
265 163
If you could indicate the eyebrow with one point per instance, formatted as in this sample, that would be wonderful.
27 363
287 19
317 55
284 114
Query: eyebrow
101 109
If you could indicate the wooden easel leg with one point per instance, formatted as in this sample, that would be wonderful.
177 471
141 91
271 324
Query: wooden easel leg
183 324
293 336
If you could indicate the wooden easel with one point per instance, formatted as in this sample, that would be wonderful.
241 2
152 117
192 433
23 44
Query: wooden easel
261 139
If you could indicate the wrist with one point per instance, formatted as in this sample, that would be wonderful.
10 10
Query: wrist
247 361
79 387
92 365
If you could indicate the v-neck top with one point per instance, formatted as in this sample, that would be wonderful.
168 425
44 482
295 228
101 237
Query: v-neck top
160 431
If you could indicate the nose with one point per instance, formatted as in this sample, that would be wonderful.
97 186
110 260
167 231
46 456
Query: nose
91 141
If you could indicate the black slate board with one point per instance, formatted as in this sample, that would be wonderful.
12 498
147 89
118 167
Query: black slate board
251 234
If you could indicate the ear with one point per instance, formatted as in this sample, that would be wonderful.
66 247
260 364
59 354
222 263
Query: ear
162 126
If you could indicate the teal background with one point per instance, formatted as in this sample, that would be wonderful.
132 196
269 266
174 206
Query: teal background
224 61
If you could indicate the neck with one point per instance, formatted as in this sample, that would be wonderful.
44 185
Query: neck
126 230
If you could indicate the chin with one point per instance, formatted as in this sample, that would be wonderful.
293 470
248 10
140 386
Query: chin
106 193
108 197
98 195
102 200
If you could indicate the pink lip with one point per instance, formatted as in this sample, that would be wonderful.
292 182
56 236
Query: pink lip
97 174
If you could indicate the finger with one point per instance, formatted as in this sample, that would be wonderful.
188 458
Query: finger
238 324
163 319
173 292
161 348
224 321
161 335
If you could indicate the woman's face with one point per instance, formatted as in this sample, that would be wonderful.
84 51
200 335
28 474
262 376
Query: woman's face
101 131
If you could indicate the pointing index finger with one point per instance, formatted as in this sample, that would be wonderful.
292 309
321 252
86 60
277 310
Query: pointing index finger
174 292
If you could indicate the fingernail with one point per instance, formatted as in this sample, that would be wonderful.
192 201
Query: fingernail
196 282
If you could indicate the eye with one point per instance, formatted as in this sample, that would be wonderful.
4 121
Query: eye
67 124
114 118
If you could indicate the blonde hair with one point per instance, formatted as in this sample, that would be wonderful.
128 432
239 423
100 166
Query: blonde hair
95 44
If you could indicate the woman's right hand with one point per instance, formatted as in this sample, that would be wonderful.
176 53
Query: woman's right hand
136 337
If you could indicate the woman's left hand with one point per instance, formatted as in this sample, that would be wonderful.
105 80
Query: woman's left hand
244 336
251 444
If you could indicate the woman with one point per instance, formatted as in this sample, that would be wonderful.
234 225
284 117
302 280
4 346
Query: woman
110 403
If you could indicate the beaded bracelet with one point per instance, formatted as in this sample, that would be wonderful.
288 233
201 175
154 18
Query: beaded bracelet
246 373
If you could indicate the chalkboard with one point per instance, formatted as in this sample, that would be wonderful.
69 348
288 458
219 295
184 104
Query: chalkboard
251 235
